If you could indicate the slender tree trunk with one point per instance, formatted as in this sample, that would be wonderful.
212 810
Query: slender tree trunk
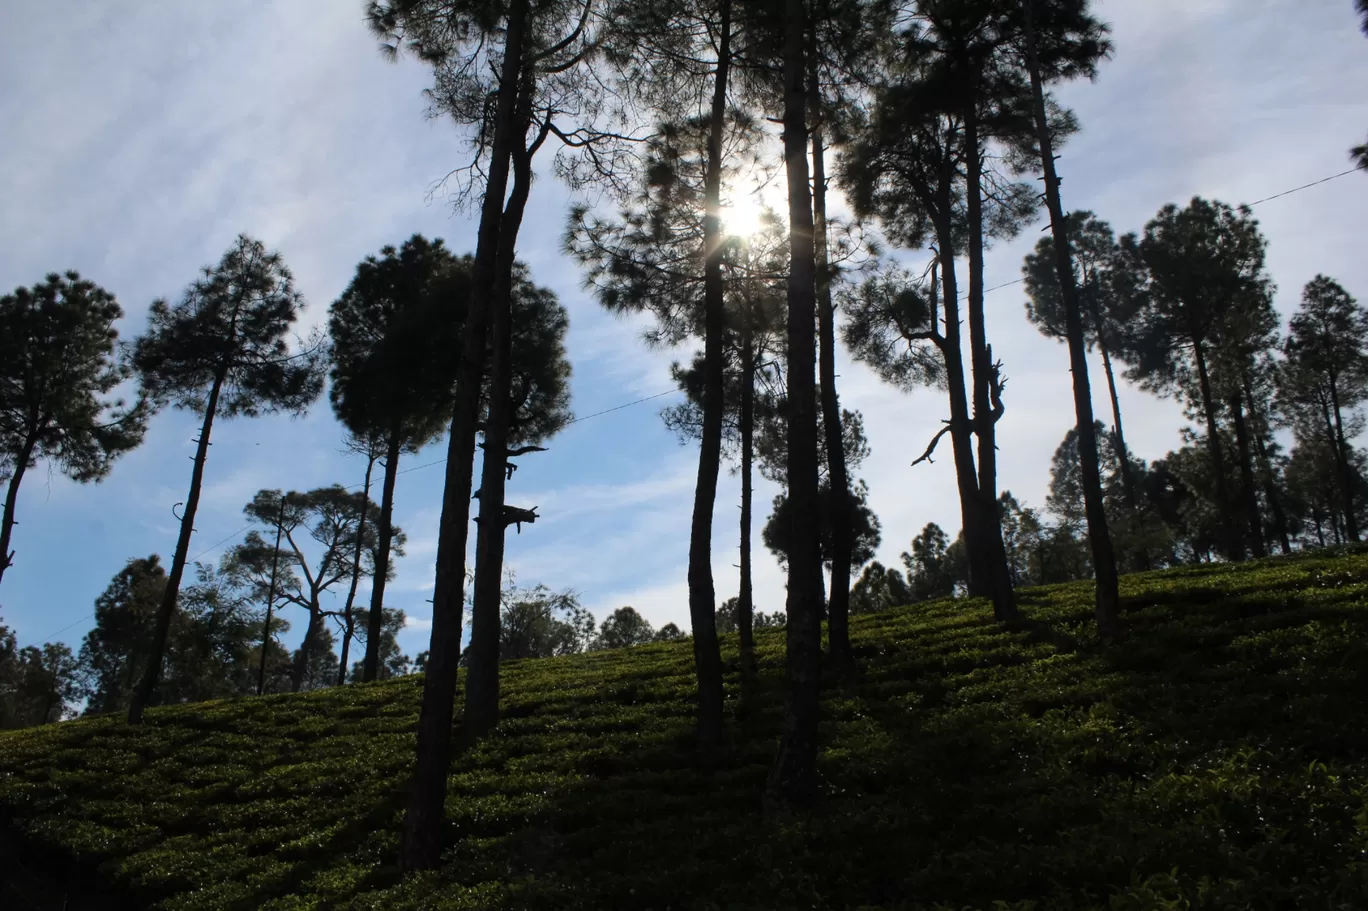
300 669
1234 551
1249 499
11 499
838 606
702 595
793 778
961 426
1122 451
350 625
482 676
420 844
745 604
1107 598
270 598
986 400
1320 531
1270 487
1342 458
375 621
148 685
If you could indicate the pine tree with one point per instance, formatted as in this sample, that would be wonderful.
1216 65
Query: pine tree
396 334
59 364
222 352
1191 271
1325 379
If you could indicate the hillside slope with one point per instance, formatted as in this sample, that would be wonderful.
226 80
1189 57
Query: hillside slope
1218 758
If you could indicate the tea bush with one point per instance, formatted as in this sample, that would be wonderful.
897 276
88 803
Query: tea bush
1216 758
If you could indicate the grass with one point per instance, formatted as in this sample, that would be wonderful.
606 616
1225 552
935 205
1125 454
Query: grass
1218 758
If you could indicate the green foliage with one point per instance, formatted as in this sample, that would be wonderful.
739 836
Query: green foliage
727 622
878 588
37 685
396 337
1213 760
231 326
539 623
623 628
865 528
58 366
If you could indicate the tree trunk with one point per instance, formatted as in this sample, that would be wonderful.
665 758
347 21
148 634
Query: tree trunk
838 607
1342 458
702 596
1122 451
420 843
1249 499
143 696
986 402
1270 485
1107 598
300 669
350 624
1234 551
375 622
745 605
11 498
482 676
270 598
793 778
961 427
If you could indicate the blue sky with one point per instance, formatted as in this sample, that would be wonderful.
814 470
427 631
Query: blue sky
141 138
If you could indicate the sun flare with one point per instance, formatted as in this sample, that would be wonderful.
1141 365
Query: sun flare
743 218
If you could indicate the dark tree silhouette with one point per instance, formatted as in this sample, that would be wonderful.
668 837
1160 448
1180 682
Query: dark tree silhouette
334 519
793 778
1325 379
396 352
1091 45
58 366
1192 269
535 405
114 653
222 352
664 254
1094 250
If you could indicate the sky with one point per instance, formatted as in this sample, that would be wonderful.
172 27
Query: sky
140 139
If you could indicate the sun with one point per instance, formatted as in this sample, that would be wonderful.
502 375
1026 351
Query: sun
743 218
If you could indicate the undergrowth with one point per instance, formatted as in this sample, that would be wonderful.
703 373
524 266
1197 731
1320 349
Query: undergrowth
1216 758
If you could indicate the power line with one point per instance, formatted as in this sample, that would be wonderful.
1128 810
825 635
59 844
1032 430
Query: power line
1305 186
1314 183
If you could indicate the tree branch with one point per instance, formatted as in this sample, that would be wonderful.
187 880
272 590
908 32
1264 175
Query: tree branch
926 456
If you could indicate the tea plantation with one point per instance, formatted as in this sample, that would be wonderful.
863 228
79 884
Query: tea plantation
1216 758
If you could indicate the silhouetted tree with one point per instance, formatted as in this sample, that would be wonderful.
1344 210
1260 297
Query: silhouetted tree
396 334
58 366
332 518
222 352
114 654
1105 309
1192 269
622 629
665 254
1325 378
793 778
929 574
540 623
878 588
535 405
1091 46
499 71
